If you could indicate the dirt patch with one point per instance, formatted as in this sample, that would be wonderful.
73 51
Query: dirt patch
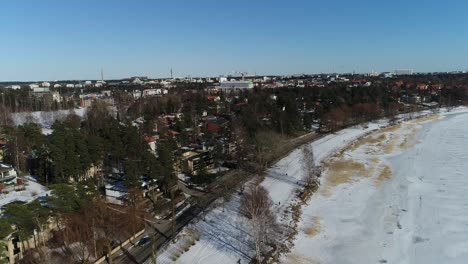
411 139
344 171
389 129
385 174
315 228
296 258
369 140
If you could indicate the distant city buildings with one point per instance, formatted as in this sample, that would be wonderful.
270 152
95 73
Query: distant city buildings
404 72
237 85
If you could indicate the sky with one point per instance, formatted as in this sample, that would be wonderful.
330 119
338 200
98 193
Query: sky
63 40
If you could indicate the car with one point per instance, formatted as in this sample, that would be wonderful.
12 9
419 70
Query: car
143 241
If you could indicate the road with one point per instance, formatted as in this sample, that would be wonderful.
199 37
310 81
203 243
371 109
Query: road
160 232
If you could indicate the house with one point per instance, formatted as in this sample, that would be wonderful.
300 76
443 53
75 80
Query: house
215 125
7 174
213 98
33 85
117 192
70 85
151 143
87 101
136 94
41 89
193 161
171 132
151 92
57 97
57 85
422 86
45 84
14 87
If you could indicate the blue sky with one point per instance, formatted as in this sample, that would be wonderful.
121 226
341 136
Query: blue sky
58 39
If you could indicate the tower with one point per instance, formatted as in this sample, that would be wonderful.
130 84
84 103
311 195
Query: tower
102 74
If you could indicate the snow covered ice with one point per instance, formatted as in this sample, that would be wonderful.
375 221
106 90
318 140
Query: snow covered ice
418 215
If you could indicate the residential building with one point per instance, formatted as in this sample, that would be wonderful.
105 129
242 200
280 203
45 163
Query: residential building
7 173
151 92
41 89
57 97
237 85
194 160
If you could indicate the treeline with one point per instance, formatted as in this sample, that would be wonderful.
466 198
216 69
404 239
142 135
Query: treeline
289 111
78 149
21 101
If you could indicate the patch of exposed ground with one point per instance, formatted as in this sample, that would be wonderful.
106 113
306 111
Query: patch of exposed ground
296 258
314 229
344 171
384 174
389 129
410 139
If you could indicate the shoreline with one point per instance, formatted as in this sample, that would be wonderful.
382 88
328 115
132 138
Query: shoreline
363 176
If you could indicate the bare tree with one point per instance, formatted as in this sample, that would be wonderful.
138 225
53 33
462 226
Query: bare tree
5 116
256 205
311 171
266 143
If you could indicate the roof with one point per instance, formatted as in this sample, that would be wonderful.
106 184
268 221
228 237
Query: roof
149 139
172 132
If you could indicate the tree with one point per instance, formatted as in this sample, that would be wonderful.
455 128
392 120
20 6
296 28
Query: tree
310 169
265 145
256 205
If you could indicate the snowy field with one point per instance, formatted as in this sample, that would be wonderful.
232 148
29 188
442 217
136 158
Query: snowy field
366 210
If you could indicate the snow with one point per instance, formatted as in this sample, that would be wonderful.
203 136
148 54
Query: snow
419 215
45 119
33 190
224 234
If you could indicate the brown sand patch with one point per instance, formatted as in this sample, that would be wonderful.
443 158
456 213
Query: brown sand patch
344 171
296 258
315 228
411 139
369 140
385 174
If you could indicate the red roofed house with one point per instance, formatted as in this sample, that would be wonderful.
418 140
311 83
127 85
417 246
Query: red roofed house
421 86
151 142
171 132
